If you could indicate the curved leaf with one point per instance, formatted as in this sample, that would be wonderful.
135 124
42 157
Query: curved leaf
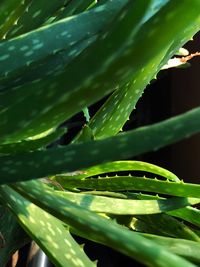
35 15
35 48
10 11
75 157
101 204
47 231
191 215
117 166
185 248
101 229
112 116
122 183
31 144
74 7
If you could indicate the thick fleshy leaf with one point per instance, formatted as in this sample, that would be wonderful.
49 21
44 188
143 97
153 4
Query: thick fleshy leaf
191 215
56 97
47 231
100 228
38 48
116 54
185 248
32 144
162 224
119 166
75 157
182 247
101 204
122 183
112 116
167 225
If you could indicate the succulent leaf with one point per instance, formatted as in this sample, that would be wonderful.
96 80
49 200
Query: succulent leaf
39 164
47 231
102 204
123 183
121 166
100 228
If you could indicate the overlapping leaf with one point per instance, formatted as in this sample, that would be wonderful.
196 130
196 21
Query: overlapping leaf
99 228
36 14
120 166
122 183
10 11
112 116
78 156
46 230
185 248
103 68
12 236
37 49
101 204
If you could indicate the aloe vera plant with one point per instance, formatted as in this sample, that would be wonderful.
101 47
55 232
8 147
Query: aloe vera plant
56 60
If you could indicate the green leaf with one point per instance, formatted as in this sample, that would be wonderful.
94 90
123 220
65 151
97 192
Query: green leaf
122 183
112 116
32 144
129 25
47 231
101 204
38 47
191 215
10 11
185 248
12 235
120 166
75 157
163 224
99 228
74 7
116 54
166 223
36 14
